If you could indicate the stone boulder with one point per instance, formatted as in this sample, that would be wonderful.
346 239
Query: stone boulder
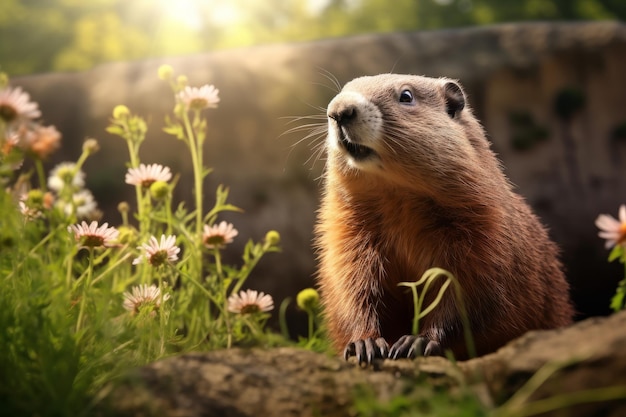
576 371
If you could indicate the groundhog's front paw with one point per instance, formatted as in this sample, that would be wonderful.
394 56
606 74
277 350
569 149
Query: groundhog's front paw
366 350
410 346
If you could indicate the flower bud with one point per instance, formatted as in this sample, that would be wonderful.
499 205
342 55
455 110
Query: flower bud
127 235
272 238
159 190
182 81
165 72
91 146
123 207
308 299
120 111
4 79
35 198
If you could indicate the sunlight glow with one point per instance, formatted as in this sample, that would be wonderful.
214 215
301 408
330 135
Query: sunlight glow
186 12
225 14
192 13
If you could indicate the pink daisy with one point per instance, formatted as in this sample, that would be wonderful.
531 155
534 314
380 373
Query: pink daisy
200 98
15 105
218 235
146 175
249 302
90 235
159 252
41 141
612 229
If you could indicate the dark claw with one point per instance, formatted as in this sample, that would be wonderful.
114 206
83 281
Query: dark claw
349 351
366 350
433 349
410 346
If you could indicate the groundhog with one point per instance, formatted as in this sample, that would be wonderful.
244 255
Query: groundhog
411 183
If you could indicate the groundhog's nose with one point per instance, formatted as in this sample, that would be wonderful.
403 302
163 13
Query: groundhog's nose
342 113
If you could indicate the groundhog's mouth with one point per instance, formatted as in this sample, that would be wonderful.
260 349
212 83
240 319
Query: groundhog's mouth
356 151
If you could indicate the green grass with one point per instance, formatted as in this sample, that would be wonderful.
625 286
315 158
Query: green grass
66 334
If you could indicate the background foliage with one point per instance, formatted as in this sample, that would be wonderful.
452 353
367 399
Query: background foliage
67 35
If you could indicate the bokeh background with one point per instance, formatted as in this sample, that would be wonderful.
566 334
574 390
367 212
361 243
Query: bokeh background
546 78
70 35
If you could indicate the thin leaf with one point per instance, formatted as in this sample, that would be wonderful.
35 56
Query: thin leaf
617 252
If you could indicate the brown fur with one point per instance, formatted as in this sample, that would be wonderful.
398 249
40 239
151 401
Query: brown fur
435 196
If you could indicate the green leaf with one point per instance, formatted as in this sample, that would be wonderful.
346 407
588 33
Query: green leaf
115 130
617 302
175 130
617 252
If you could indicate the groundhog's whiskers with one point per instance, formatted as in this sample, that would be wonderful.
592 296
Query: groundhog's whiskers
336 85
315 135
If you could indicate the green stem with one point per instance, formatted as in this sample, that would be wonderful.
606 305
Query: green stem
200 286
133 153
168 213
33 251
83 300
416 310
196 155
161 317
246 270
253 326
68 275
147 201
81 161
41 175
282 318
311 318
218 264
111 267
561 401
229 329
196 161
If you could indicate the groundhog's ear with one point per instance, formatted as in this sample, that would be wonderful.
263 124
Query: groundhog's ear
455 99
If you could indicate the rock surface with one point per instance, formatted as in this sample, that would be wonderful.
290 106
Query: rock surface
294 382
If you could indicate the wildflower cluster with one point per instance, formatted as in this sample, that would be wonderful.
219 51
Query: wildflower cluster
152 285
21 134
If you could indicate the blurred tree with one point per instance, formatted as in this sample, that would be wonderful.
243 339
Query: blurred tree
31 34
100 37
43 35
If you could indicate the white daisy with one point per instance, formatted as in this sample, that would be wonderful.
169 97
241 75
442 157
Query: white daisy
250 301
612 229
145 175
218 235
159 253
90 235
66 174
200 98
142 296
29 213
85 204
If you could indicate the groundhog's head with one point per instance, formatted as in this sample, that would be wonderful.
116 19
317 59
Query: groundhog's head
402 128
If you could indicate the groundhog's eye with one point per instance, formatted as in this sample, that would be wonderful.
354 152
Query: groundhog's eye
406 96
